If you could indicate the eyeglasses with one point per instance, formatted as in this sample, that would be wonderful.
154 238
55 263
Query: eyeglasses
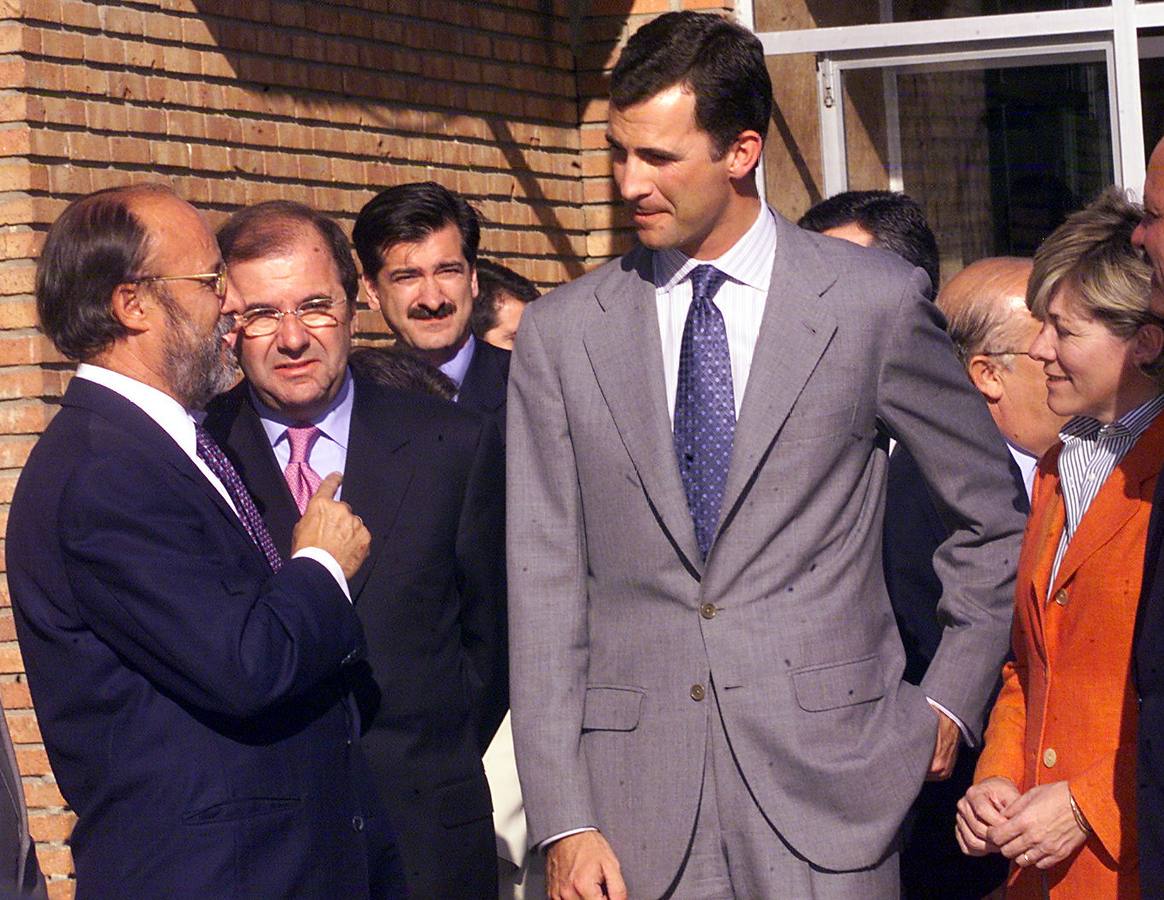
216 281
261 321
1002 353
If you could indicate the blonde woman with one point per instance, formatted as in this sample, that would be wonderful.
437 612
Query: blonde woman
1055 786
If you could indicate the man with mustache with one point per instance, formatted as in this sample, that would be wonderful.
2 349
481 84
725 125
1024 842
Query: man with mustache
418 244
191 682
427 478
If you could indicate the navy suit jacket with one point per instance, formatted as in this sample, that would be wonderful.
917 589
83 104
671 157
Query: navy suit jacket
1148 670
192 702
486 382
427 478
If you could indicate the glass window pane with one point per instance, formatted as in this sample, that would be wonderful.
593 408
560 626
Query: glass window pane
997 157
913 10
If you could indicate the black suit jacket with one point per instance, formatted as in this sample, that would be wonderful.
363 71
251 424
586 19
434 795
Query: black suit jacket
485 383
427 478
1148 670
931 863
193 704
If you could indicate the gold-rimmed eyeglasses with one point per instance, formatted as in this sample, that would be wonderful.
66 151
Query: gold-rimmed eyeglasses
216 281
261 321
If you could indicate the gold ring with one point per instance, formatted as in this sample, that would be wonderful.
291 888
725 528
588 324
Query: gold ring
1026 860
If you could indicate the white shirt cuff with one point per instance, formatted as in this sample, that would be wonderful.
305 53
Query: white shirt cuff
545 845
326 560
966 736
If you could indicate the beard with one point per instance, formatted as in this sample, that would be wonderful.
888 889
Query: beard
198 367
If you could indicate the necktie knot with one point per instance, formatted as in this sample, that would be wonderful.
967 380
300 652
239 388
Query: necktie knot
705 283
301 438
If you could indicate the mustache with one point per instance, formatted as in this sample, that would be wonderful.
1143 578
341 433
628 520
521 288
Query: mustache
439 312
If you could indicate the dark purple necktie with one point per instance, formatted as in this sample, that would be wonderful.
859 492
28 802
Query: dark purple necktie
705 409
211 454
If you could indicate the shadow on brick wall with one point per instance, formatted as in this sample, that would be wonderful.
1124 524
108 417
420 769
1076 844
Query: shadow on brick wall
484 100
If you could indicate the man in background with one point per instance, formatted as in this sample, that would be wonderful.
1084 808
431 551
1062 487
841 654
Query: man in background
426 478
991 329
502 296
1148 650
885 219
417 244
192 682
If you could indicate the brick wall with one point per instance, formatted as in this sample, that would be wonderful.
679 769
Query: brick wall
325 102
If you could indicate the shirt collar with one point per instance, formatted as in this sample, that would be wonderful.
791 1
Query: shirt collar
1131 424
457 367
168 413
335 423
748 261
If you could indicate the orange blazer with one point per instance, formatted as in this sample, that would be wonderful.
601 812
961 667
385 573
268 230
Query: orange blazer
1067 710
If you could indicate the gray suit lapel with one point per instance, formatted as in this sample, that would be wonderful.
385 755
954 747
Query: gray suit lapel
625 352
794 332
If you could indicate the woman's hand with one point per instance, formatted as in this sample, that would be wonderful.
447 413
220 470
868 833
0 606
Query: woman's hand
1040 829
981 809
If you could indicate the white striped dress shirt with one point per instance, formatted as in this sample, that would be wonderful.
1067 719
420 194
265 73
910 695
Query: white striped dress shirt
741 299
1090 453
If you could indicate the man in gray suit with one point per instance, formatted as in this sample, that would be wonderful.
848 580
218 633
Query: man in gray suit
706 673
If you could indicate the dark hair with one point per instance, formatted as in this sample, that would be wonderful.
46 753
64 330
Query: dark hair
266 229
895 220
393 367
96 244
492 279
721 62
408 213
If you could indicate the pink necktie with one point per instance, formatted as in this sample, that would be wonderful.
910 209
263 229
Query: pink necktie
301 478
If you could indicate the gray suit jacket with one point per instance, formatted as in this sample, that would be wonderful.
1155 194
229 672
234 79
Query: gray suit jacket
614 620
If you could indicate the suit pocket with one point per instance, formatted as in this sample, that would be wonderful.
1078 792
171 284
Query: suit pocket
612 708
836 685
464 801
813 424
246 808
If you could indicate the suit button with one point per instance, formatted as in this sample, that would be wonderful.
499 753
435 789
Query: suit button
1061 596
698 692
1050 757
357 823
708 610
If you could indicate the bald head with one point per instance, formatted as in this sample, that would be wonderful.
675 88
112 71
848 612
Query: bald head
985 304
991 328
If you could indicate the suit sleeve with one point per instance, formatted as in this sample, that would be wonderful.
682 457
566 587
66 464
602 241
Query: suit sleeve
928 403
548 601
481 571
172 586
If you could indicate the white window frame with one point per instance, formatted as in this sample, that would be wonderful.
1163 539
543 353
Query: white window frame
1107 33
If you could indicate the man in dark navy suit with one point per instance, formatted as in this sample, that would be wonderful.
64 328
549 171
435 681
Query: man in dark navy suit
427 478
192 683
418 245
1148 650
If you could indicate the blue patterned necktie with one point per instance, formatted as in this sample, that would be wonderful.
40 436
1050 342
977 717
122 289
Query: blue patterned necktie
705 409
211 454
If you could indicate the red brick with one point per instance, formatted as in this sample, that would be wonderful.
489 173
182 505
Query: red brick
56 860
15 695
62 890
55 826
22 725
